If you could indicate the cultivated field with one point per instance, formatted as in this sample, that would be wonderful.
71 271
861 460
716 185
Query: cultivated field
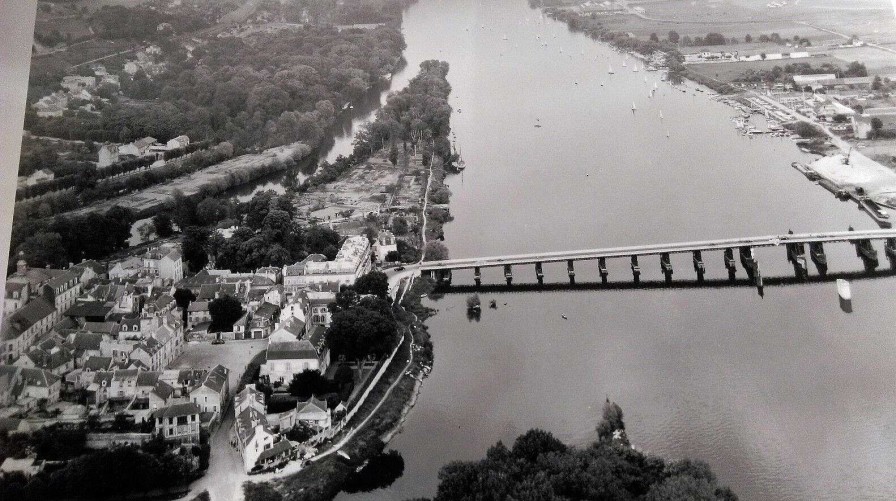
728 72
870 19
877 61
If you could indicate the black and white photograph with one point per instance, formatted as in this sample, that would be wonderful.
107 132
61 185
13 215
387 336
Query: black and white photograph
448 250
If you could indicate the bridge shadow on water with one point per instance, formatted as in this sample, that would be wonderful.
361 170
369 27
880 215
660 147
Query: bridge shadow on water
721 283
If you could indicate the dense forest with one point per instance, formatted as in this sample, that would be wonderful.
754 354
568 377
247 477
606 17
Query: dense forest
418 115
259 91
539 466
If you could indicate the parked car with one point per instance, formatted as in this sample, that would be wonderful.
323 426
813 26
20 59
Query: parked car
399 268
218 341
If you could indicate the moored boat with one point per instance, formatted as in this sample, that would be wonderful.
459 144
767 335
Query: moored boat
843 289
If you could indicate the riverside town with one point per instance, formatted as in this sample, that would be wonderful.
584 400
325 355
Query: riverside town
375 250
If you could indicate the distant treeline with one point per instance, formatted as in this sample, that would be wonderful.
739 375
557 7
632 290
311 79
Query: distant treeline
90 175
89 188
784 74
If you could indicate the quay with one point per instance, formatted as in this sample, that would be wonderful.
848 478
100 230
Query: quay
733 250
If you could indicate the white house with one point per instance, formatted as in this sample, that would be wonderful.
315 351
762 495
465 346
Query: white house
286 359
26 386
138 148
107 155
40 176
165 263
211 394
385 243
19 331
130 267
178 142
178 422
253 434
314 412
76 83
352 261
289 330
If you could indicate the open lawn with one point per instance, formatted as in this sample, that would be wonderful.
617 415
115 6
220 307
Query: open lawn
235 355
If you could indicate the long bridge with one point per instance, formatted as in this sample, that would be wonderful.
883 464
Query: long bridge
733 250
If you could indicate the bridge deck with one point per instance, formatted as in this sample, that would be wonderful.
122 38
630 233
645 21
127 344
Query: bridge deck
646 250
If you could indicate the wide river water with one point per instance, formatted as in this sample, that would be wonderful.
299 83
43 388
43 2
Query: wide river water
785 396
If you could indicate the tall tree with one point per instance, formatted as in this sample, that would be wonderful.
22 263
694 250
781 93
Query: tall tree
224 311
358 333
375 282
163 225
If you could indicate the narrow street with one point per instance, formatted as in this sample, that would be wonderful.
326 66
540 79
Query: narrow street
225 476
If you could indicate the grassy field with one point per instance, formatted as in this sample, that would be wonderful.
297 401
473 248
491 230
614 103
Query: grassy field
728 72
736 18
876 60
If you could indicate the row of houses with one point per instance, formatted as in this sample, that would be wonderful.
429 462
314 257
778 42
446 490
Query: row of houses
111 153
259 434
79 87
164 262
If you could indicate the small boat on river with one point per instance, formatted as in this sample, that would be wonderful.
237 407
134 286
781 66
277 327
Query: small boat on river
843 289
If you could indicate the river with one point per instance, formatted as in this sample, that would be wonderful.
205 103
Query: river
785 396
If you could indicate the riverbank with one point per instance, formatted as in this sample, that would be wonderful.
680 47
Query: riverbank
671 60
377 419
861 176
387 405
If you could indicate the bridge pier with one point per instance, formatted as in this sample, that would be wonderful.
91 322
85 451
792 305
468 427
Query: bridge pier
571 270
746 260
602 268
866 252
636 269
730 264
539 273
444 277
666 266
699 267
890 251
816 252
751 266
477 276
508 274
427 274
796 254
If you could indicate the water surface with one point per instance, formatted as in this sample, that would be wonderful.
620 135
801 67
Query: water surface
786 397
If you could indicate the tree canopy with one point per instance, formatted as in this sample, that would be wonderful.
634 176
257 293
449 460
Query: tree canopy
539 466
362 330
375 282
224 311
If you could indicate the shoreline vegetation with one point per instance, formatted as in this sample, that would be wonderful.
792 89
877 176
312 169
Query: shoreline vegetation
539 466
595 29
414 120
